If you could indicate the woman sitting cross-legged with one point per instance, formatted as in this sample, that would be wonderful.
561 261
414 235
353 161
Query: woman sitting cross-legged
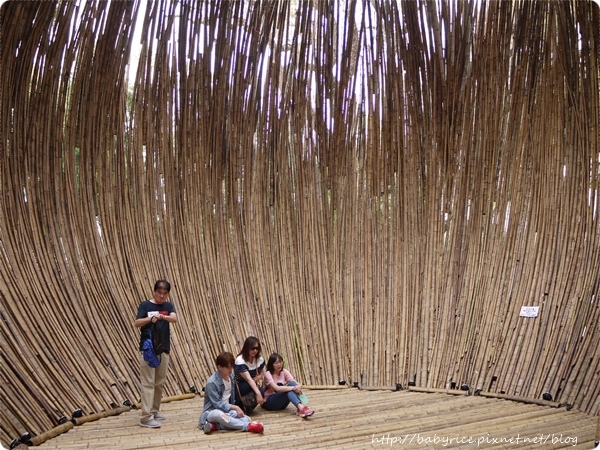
281 388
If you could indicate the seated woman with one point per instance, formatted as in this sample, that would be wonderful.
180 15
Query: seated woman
249 370
281 388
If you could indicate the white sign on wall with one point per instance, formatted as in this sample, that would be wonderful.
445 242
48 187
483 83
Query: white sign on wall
529 311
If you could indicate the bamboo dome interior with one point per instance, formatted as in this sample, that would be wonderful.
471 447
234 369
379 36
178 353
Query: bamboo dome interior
375 189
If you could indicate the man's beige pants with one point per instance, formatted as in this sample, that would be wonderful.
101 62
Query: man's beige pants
152 380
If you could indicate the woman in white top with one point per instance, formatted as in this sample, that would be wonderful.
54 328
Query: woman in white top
281 388
249 370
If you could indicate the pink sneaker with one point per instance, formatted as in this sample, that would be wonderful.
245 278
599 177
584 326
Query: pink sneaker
305 412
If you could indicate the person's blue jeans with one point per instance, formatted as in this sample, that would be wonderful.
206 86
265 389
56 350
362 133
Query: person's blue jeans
280 400
228 420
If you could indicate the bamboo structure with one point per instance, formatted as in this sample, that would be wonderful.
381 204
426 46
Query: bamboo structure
373 188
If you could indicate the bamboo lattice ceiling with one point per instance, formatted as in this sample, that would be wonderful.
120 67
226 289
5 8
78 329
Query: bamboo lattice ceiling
374 189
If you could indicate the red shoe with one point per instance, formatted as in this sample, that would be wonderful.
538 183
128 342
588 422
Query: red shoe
305 412
256 427
209 427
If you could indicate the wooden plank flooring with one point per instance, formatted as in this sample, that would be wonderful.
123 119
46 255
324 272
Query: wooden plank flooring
353 419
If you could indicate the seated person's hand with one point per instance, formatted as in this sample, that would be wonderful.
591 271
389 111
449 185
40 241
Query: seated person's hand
238 410
259 399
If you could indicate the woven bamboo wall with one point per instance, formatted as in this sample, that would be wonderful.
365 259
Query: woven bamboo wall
372 188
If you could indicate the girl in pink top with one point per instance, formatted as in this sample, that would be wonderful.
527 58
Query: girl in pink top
281 388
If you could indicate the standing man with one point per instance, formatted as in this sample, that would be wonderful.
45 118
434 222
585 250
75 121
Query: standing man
161 312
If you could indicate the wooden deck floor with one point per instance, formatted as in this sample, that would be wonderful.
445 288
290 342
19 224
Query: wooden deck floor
353 419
